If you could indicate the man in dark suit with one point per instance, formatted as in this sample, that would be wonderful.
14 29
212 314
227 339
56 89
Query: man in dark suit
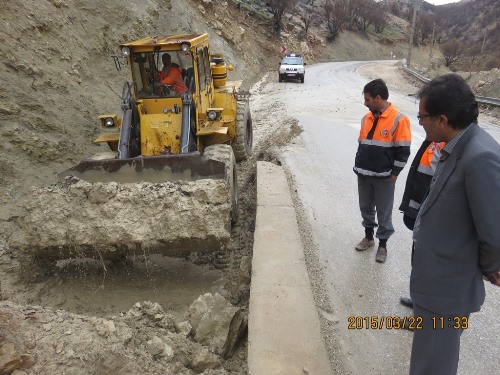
419 178
456 234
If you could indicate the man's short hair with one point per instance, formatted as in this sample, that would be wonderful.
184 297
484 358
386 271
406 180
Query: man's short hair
166 55
376 87
449 95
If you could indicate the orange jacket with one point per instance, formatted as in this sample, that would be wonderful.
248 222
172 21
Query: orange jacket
384 144
430 158
419 178
173 77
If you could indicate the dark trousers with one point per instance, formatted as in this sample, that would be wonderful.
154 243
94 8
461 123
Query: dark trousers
436 347
376 196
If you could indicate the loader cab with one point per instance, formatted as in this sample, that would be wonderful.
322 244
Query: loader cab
148 69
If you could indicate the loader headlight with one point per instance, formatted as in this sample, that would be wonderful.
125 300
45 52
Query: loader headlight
212 115
126 52
184 47
109 123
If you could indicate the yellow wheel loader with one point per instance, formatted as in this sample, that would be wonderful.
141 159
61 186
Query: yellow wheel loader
168 182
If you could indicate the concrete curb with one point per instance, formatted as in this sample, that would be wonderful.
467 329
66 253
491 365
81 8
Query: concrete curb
284 336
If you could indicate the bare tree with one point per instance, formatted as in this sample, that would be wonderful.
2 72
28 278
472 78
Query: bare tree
353 9
307 18
366 11
380 18
279 8
472 55
452 51
335 16
395 8
424 26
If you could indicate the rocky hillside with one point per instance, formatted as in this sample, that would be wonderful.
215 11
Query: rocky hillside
56 81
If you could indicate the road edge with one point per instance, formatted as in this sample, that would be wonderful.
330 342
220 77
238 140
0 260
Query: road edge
284 335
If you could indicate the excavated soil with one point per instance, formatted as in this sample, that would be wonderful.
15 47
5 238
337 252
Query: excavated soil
94 316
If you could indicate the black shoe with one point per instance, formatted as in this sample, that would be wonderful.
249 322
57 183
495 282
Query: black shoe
406 301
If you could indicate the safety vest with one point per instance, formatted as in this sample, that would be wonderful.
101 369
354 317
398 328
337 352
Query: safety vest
419 177
384 144
173 77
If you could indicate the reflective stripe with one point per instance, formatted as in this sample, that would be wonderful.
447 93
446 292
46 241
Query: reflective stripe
402 143
370 173
435 158
414 204
395 124
425 170
376 143
398 163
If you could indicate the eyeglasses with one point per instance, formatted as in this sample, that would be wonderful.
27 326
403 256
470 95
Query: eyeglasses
420 117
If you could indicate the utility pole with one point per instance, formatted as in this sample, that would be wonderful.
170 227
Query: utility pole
412 32
432 42
484 40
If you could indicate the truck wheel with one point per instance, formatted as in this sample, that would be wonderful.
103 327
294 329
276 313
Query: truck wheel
280 78
224 153
242 145
302 79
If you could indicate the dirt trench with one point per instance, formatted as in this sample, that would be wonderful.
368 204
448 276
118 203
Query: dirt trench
95 316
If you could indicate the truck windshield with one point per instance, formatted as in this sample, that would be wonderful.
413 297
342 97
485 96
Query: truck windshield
153 78
292 61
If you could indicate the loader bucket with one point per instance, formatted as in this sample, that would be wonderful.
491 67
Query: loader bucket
170 205
173 168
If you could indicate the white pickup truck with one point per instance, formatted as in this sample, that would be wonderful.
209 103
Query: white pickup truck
292 67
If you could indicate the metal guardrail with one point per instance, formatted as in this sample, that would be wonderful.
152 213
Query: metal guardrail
480 99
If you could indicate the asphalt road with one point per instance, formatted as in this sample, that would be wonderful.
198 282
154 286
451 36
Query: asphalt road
329 107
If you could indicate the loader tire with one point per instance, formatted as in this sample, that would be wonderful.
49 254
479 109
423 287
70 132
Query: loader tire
242 145
225 154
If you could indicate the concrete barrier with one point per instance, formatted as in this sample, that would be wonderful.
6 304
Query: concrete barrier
283 331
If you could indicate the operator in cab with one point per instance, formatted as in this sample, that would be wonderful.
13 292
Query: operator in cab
171 75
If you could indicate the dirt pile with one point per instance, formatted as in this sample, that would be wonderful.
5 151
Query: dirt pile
143 340
111 220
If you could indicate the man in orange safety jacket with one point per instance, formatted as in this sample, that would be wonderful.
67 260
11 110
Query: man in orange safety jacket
171 75
383 150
